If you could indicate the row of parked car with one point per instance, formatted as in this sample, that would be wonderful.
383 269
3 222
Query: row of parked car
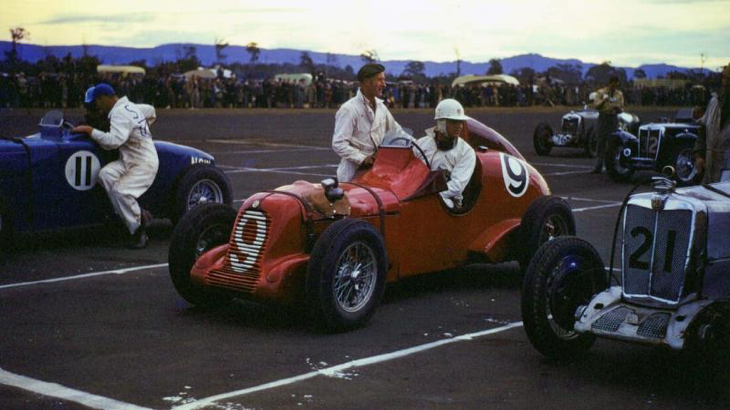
633 146
331 248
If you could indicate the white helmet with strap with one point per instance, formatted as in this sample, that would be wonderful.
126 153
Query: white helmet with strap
450 109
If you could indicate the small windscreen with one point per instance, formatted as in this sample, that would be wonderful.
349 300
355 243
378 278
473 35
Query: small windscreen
52 119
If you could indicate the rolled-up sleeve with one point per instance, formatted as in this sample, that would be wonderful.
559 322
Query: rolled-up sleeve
344 129
118 133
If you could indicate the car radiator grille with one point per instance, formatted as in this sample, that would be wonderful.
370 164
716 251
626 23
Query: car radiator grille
656 245
648 143
611 321
570 126
655 326
241 269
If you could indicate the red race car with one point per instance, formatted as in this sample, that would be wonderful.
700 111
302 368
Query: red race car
334 246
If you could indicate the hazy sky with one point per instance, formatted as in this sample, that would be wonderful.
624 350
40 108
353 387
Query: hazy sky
625 32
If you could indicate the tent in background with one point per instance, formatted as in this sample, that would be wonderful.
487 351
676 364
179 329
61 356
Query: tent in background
482 79
120 69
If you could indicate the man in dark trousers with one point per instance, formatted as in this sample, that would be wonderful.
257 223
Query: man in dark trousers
609 102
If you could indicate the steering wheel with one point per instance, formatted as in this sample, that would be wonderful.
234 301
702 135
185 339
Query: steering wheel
420 150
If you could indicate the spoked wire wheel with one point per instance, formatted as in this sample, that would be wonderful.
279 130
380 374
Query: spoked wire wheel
355 277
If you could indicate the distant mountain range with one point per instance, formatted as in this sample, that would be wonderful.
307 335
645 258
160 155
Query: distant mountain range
206 53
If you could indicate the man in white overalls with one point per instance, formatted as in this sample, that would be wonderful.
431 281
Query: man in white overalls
132 174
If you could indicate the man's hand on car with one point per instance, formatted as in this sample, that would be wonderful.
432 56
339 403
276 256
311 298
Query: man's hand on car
83 129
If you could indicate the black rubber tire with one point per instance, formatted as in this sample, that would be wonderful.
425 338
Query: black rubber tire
591 146
541 139
212 220
710 354
685 176
617 169
6 229
548 317
533 228
320 293
187 182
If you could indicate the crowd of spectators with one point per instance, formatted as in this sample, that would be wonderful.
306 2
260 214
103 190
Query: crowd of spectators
177 91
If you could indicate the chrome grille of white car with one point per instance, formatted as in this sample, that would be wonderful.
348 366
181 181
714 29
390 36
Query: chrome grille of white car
611 321
654 326
655 252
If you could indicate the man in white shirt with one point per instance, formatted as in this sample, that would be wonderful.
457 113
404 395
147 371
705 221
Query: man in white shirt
361 123
445 150
132 174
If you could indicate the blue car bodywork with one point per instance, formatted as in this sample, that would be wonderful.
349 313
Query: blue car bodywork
48 180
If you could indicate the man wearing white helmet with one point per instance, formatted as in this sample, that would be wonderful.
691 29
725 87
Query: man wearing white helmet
445 150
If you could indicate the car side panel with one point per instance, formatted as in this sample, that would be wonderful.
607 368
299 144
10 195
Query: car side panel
81 199
175 160
14 173
431 238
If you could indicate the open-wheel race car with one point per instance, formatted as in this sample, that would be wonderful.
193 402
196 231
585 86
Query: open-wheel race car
332 247
674 286
578 129
653 147
49 180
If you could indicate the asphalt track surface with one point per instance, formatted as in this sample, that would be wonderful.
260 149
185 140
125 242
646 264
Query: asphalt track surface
87 323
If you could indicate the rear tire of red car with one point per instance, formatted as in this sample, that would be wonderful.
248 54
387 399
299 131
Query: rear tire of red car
564 274
346 275
200 184
541 138
547 217
201 229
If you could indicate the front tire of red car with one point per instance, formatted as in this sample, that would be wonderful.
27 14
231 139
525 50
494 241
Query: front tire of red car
202 228
563 275
346 275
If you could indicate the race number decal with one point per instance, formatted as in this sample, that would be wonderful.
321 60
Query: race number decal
516 177
249 235
82 169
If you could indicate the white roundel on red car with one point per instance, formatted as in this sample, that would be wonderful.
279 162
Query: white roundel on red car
515 174
249 236
82 169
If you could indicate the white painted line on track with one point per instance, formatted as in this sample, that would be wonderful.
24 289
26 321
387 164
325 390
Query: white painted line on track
267 144
233 167
590 208
334 370
264 151
550 164
563 173
86 275
574 198
274 171
64 393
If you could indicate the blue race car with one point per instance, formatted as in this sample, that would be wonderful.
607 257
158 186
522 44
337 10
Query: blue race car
49 180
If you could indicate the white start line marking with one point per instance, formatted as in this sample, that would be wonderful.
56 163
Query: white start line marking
63 392
338 369
85 275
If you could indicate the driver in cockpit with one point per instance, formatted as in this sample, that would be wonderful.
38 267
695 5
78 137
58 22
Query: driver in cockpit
445 150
